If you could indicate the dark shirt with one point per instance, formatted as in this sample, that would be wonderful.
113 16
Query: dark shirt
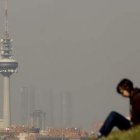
135 106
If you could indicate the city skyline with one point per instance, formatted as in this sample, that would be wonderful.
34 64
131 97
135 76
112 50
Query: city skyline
81 47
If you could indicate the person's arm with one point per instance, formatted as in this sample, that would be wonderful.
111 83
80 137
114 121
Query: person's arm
135 109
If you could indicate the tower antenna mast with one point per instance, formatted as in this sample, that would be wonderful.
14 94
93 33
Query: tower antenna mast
6 19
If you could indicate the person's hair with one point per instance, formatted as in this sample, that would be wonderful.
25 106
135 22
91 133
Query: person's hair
125 84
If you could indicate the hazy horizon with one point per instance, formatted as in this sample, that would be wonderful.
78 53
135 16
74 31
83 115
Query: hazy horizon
80 47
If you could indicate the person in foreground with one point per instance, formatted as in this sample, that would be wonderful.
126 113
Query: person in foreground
114 119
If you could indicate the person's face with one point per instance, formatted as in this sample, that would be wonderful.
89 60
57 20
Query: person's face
124 93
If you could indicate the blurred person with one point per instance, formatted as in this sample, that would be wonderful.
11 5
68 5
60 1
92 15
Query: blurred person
114 119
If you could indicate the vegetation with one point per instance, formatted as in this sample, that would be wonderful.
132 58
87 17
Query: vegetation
132 134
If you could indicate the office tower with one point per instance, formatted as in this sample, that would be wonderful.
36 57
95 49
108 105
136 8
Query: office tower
31 99
27 104
8 66
24 106
39 119
66 109
51 107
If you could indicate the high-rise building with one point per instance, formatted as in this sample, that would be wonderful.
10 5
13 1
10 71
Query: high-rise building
24 106
39 119
51 107
31 99
8 66
27 104
60 104
66 109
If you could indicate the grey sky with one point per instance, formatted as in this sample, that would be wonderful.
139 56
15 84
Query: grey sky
84 47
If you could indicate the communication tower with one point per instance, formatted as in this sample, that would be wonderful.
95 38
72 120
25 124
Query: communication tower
8 66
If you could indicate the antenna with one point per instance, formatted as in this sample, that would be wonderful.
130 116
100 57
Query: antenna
6 18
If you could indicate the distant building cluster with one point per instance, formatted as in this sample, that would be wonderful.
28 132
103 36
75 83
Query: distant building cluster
31 133
58 110
65 132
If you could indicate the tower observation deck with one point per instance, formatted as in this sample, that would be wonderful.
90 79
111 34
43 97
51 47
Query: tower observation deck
8 66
